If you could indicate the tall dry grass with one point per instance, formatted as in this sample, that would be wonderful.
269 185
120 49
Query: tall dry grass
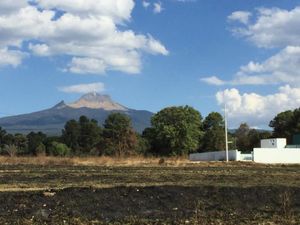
95 161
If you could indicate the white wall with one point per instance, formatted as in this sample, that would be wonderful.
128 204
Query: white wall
215 156
283 155
273 143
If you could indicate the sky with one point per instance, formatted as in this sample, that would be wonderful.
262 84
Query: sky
153 54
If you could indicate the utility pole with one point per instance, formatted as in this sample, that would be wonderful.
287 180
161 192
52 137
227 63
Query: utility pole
226 137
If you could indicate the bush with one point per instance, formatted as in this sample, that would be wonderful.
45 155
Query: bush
40 150
59 149
11 150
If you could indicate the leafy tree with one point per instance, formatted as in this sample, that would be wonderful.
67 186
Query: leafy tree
175 131
40 150
119 138
71 135
34 140
21 142
283 125
59 149
82 136
214 137
2 137
242 139
90 134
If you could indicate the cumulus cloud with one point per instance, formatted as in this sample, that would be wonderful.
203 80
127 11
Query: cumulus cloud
157 7
282 68
88 31
84 88
10 57
272 27
240 16
257 110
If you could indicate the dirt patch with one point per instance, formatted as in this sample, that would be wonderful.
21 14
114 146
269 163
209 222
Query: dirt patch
152 205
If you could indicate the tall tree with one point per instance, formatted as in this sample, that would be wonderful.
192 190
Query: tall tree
284 124
2 137
214 137
34 140
176 130
242 139
71 134
119 137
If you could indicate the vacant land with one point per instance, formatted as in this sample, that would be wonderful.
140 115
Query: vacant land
68 191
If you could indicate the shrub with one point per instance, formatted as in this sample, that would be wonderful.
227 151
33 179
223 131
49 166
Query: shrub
59 149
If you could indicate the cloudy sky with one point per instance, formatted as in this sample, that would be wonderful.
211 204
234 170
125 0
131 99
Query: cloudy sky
153 54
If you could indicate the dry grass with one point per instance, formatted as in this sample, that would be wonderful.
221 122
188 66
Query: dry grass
95 161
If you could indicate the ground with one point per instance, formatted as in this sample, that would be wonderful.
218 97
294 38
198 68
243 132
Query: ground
161 192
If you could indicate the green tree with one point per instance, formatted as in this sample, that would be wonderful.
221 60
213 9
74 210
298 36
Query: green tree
90 134
2 137
21 142
176 130
285 124
40 150
119 138
242 137
71 135
214 137
82 136
34 140
59 149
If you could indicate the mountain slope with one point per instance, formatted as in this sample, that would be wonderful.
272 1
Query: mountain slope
93 105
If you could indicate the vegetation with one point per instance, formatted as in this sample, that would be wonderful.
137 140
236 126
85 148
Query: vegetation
286 124
174 131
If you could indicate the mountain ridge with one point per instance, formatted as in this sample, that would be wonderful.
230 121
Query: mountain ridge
52 120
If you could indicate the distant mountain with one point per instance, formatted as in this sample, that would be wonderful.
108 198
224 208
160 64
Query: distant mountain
92 105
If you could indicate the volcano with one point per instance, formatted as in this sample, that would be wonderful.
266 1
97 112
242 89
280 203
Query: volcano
92 105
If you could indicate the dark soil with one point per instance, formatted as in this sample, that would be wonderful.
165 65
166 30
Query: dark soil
240 199
153 204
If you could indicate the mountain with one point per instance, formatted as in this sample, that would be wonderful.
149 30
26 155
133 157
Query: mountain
93 105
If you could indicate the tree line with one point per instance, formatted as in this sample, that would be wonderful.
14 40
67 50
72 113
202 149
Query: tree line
174 131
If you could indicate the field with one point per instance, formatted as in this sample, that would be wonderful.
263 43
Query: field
146 191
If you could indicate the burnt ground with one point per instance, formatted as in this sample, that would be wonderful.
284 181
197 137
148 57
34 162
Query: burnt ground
220 193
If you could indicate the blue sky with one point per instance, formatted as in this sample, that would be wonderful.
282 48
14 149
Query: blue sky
153 54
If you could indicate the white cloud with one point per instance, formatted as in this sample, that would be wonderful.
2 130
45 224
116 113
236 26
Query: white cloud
85 30
213 80
272 28
9 6
282 68
84 88
157 7
146 4
255 109
11 57
240 16
87 65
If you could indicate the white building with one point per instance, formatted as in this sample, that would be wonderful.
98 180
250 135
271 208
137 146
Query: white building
271 151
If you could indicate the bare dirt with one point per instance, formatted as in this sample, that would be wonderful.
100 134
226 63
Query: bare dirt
216 193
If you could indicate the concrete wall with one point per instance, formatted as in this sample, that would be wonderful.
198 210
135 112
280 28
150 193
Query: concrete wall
233 155
283 155
273 143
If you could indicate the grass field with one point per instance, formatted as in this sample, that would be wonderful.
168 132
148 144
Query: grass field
146 191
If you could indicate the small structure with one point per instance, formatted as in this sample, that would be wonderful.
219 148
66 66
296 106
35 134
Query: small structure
271 151
276 151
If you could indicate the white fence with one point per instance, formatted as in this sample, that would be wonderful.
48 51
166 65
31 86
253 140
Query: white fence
271 155
233 155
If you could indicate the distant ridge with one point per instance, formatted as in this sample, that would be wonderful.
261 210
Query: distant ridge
93 105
